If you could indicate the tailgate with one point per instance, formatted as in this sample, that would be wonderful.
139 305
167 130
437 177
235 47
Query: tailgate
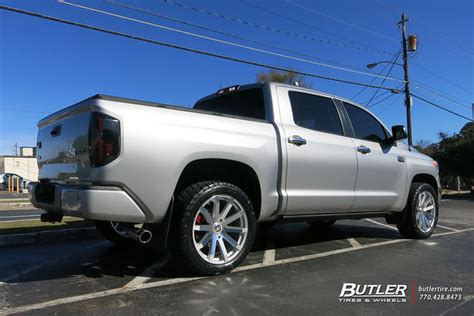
75 140
63 147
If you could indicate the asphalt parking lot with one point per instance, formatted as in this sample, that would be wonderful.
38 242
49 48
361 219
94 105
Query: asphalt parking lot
292 269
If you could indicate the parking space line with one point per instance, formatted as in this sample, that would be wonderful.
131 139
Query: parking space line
354 243
448 228
453 232
148 273
268 256
380 224
122 290
452 309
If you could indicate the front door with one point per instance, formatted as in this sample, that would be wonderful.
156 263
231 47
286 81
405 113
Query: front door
382 171
321 161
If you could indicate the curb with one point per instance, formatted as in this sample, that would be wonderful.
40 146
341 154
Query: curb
9 206
15 200
48 236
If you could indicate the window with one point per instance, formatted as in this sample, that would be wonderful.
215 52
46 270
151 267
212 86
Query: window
315 112
247 103
365 125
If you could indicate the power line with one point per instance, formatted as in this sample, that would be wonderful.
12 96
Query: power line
377 97
371 81
384 79
442 78
428 27
341 21
442 96
219 40
389 105
255 6
202 27
396 90
440 107
272 29
389 96
183 48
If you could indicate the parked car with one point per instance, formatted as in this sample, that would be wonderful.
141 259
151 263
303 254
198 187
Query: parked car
199 179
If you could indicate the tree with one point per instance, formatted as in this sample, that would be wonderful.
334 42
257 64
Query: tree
455 155
427 148
288 77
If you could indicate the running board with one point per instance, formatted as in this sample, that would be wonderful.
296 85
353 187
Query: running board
334 216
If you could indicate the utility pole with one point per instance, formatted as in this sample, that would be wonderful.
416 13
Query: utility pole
407 82
15 149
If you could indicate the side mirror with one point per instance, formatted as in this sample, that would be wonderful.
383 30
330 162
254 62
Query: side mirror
398 133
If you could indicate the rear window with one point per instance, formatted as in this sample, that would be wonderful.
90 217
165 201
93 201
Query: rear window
246 103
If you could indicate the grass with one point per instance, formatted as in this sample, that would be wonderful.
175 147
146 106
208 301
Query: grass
32 226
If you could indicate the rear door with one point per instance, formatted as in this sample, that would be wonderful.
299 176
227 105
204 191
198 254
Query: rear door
382 172
321 161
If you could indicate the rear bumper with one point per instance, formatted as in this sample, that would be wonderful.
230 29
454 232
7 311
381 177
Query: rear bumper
89 202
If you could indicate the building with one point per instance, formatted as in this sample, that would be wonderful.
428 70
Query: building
25 165
28 151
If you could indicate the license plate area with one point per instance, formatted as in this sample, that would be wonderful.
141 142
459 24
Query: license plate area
45 193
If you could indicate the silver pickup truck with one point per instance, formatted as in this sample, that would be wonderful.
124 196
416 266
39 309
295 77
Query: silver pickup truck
200 179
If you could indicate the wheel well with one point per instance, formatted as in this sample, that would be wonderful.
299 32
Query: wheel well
426 178
225 170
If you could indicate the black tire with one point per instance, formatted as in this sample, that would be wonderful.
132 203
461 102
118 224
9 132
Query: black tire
188 203
408 226
106 230
321 225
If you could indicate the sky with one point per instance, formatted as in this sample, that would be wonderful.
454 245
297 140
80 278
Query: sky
45 66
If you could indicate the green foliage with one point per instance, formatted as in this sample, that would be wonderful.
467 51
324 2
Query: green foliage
455 154
288 77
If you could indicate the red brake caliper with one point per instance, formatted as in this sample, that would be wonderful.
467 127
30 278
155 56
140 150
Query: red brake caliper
199 219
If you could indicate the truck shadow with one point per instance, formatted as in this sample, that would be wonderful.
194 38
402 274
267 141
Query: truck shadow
114 266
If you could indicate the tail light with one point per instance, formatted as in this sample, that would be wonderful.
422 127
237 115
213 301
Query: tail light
104 139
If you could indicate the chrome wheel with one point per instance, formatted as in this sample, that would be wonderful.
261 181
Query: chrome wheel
425 211
220 229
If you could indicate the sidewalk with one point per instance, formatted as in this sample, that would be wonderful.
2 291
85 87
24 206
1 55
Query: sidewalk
34 231
24 231
12 195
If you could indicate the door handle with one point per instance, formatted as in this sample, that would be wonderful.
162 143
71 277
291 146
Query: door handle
297 140
363 149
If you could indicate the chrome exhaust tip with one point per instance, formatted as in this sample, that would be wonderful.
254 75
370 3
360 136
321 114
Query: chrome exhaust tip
144 236
141 235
